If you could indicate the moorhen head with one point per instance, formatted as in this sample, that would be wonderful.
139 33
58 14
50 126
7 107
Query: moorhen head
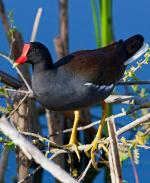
82 78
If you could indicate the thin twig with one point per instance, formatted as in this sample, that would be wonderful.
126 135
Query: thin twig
16 108
19 91
131 145
36 24
41 138
134 169
134 100
133 82
82 176
133 124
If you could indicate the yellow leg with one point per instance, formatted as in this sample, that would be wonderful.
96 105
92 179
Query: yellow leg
94 144
73 138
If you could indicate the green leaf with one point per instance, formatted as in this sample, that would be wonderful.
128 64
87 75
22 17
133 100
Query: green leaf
123 156
10 145
1 139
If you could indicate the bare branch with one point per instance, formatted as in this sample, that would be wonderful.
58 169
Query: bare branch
133 82
134 169
133 124
3 163
16 108
134 100
39 168
32 152
115 160
36 24
85 171
64 25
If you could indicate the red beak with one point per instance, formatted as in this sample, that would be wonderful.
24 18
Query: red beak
23 58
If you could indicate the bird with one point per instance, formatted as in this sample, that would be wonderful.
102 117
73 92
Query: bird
80 79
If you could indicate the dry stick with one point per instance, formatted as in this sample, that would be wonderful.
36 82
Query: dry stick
3 163
36 24
38 168
115 167
133 124
133 82
19 91
136 100
131 145
16 108
85 171
111 167
41 138
134 169
32 152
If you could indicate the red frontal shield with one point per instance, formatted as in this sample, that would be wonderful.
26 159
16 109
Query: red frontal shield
22 59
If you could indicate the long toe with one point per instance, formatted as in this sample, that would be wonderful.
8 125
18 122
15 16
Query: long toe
73 147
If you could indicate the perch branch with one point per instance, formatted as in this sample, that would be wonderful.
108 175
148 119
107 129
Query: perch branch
32 152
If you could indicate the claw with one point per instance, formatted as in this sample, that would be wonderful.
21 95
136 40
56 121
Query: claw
74 147
91 150
87 150
93 146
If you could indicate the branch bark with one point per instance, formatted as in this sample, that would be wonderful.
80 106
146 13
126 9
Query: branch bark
114 160
32 152
3 163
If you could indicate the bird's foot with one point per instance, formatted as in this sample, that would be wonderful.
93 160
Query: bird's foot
73 146
92 149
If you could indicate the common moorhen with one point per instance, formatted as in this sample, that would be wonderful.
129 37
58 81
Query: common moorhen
80 79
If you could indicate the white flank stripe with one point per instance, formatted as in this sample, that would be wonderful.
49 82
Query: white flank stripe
88 84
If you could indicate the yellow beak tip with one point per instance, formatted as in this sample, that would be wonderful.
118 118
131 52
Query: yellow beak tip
15 65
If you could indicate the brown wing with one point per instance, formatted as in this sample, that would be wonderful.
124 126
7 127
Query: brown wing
100 66
97 68
104 65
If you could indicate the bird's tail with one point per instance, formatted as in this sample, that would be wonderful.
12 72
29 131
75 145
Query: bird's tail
135 48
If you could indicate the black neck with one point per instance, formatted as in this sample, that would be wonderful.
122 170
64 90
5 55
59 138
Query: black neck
42 66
